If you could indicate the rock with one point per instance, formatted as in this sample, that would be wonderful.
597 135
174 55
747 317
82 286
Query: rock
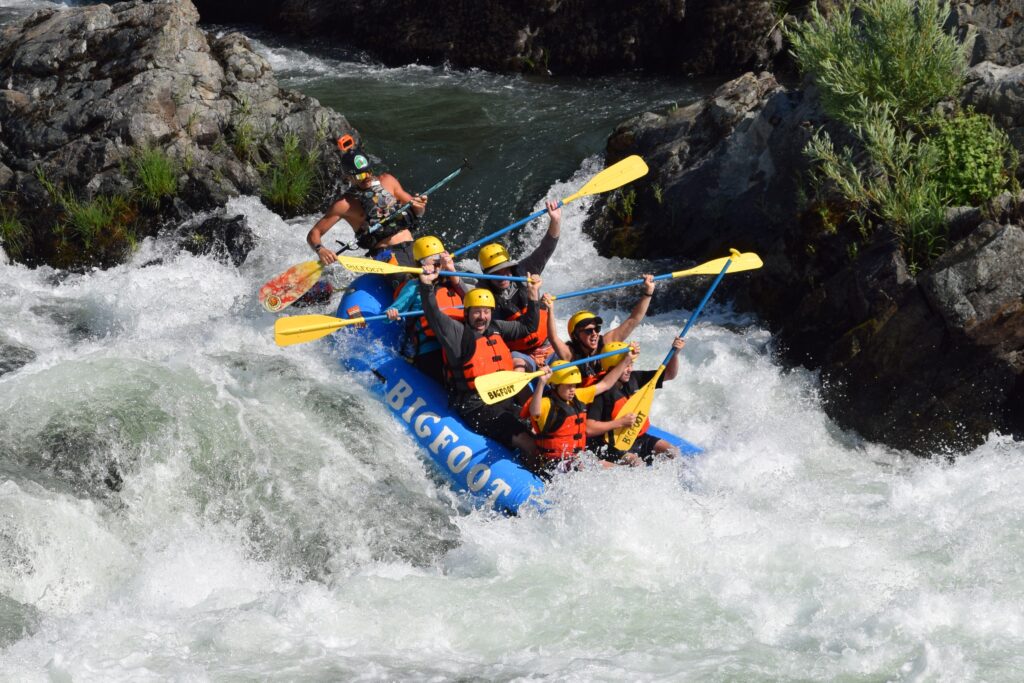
229 237
87 88
999 92
14 356
560 36
997 28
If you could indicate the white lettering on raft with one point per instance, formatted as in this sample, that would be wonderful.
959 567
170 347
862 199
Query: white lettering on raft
445 442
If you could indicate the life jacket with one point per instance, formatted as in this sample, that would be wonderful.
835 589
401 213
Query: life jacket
488 354
612 402
448 297
564 433
591 371
535 339
377 204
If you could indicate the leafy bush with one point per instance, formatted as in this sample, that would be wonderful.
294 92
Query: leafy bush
13 233
973 156
156 175
891 52
290 176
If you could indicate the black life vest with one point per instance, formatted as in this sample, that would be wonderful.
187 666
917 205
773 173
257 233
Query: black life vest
591 371
377 204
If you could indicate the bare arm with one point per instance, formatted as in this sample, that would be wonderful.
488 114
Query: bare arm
613 375
622 332
538 395
562 349
391 184
314 238
672 369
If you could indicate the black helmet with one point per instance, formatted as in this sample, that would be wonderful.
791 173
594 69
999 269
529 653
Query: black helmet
355 161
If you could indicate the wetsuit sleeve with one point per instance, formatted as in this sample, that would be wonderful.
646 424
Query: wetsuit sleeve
536 262
408 299
524 326
448 330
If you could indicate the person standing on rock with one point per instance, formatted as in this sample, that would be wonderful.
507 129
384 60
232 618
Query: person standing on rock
369 200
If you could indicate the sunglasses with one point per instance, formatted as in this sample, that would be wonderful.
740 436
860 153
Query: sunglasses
596 329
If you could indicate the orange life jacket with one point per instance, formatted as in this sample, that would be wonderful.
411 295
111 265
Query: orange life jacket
564 433
531 341
448 298
616 397
490 354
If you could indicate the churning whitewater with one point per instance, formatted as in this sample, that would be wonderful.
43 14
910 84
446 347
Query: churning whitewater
182 499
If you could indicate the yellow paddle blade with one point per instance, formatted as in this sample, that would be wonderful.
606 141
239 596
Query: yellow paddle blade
498 386
747 261
298 329
639 404
616 175
368 265
288 287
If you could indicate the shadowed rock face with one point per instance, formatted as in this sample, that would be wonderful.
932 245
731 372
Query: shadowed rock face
85 88
923 363
562 36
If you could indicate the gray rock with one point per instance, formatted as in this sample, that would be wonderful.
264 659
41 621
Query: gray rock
996 29
14 356
999 92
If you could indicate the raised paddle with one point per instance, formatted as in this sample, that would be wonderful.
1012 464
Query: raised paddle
640 402
615 176
747 261
288 287
298 329
283 290
497 386
368 265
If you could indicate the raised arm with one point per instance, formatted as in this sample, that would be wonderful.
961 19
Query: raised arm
672 369
528 322
537 260
315 236
613 375
448 330
562 349
622 332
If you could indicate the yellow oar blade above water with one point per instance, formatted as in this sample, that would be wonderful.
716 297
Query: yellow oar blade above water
288 287
747 261
613 177
368 265
498 386
639 404
298 329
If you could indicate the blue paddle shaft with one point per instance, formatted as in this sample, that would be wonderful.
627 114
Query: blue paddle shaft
697 311
499 233
435 186
605 288
484 276
598 356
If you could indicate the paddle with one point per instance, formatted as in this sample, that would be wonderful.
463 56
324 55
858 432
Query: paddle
298 329
740 262
283 290
615 176
497 386
289 286
640 402
368 265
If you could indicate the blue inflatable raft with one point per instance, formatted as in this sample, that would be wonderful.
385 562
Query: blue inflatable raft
469 461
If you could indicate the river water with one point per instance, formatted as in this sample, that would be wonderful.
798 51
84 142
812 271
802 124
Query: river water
273 522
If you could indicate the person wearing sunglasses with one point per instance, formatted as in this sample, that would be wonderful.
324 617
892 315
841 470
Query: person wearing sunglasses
511 298
421 345
585 337
367 202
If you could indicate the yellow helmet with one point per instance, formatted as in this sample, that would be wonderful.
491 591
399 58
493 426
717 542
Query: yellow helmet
426 246
580 318
479 297
611 361
494 257
568 376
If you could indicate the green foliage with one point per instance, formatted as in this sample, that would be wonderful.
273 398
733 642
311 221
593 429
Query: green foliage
13 233
623 204
290 176
891 52
659 194
973 156
156 175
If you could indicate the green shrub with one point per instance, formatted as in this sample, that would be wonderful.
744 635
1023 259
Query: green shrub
13 233
290 176
156 175
89 219
892 52
973 156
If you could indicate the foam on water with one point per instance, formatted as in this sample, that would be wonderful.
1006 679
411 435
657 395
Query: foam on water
272 521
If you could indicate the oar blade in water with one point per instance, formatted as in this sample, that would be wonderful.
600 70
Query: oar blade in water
615 176
288 287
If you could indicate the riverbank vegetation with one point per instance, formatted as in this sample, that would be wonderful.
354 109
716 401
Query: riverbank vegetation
889 72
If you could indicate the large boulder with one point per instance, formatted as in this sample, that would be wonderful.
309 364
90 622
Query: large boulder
87 89
561 36
922 361
996 28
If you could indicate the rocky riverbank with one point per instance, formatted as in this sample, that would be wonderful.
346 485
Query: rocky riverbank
116 120
922 360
